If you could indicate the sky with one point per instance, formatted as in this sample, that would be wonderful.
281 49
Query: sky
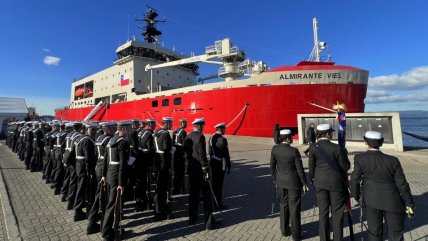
45 44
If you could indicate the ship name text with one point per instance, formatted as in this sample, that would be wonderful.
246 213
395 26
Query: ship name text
310 76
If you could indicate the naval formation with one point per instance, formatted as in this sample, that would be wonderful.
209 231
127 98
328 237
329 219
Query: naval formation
97 167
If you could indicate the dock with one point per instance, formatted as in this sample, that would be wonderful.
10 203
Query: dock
30 211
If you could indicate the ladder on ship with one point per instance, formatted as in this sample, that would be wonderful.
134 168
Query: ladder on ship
94 111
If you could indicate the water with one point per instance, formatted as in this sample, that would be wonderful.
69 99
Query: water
416 123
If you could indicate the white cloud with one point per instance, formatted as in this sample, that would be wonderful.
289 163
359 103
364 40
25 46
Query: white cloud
46 50
50 60
414 79
378 97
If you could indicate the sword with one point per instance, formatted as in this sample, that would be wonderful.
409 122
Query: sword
212 194
103 202
118 216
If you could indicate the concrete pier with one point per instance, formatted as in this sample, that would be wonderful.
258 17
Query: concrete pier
248 194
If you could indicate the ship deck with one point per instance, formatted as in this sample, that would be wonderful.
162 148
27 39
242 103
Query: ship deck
248 193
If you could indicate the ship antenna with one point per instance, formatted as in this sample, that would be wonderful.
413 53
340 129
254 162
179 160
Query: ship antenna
318 46
149 30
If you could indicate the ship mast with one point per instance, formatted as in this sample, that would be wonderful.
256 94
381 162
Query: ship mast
318 46
149 30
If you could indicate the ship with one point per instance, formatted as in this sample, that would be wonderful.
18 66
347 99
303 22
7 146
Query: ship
148 80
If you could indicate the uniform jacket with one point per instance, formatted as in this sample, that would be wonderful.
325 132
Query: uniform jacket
385 186
310 135
101 144
85 156
196 153
116 161
219 149
163 144
287 168
323 176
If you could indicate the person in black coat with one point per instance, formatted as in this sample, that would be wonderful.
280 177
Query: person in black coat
290 180
219 162
386 191
310 136
178 138
327 164
198 170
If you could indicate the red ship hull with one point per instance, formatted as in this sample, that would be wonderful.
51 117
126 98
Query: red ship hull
248 111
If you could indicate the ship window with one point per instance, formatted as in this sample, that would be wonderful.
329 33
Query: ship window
154 103
177 101
165 102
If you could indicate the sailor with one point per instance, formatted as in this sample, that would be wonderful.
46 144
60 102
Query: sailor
327 164
49 140
290 180
310 136
219 162
178 137
85 171
23 155
109 128
38 147
69 159
198 171
163 157
58 151
144 166
114 173
386 192
133 141
15 136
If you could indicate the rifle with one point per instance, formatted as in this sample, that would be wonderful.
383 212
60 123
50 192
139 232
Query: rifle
103 202
118 216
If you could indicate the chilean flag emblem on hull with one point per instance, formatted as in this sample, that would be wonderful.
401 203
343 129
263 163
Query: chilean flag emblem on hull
124 79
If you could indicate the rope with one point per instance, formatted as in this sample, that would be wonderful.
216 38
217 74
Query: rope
236 117
154 118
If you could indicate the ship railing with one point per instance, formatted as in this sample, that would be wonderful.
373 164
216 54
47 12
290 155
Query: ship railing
210 50
229 70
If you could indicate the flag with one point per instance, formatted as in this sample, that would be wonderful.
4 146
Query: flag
124 79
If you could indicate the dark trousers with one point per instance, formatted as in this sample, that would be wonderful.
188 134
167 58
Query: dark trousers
161 191
197 185
48 165
140 181
28 154
94 212
394 221
217 180
336 201
59 171
72 185
290 207
179 163
108 231
84 191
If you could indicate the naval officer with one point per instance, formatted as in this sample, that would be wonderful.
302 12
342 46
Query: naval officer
386 192
179 136
327 162
290 180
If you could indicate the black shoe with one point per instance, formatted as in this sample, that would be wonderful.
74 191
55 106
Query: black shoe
57 191
79 215
70 205
214 225
94 228
43 177
287 233
159 216
63 198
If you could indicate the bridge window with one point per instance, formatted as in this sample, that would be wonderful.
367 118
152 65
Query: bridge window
154 103
165 102
177 101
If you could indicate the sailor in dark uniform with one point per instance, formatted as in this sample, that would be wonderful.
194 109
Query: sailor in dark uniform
310 136
198 171
219 161
327 162
59 147
178 137
36 163
289 177
50 141
163 157
15 136
23 151
85 171
386 192
144 166
114 173
133 141
109 128
29 138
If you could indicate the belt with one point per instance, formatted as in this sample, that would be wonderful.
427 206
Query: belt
178 144
160 152
113 163
217 158
57 145
101 157
67 148
80 157
34 139
142 149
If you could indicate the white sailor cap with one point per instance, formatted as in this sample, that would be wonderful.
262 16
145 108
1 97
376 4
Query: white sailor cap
43 123
36 123
220 125
285 132
199 121
165 119
68 124
183 120
135 120
150 120
91 125
324 128
107 123
373 135
56 123
124 123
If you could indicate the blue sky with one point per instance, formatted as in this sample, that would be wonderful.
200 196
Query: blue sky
44 44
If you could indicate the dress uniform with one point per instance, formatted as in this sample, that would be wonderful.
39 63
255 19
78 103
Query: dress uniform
219 161
58 152
198 171
29 136
23 151
114 173
178 138
101 145
50 142
289 177
144 166
85 171
38 148
163 158
386 191
133 142
327 162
